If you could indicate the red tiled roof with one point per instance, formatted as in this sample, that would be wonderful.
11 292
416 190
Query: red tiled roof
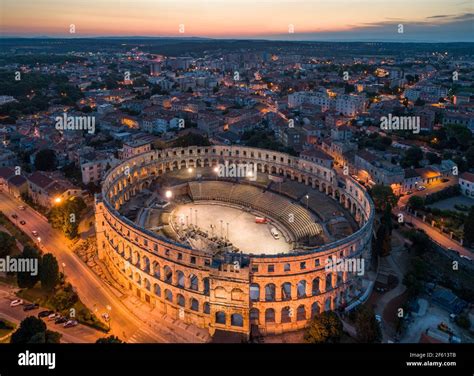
6 172
17 180
467 176
40 179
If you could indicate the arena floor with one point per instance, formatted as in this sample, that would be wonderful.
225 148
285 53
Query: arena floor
244 233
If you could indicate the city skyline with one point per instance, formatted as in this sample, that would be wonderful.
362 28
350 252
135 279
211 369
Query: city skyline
340 20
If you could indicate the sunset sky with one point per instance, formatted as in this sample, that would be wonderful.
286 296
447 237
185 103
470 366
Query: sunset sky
430 20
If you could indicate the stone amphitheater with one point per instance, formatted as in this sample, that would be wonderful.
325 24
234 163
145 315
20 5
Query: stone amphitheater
190 272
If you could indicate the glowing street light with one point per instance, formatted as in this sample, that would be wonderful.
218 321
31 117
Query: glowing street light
57 200
190 170
216 169
168 194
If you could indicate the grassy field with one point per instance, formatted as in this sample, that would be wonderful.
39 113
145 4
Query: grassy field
15 231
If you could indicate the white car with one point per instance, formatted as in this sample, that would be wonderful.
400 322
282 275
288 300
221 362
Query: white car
421 188
16 303
34 232
53 316
275 233
70 323
21 207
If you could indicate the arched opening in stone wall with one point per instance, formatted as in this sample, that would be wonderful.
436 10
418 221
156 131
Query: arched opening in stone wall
270 315
270 292
220 317
236 319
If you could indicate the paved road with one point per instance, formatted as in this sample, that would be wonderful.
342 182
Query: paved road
78 334
93 292
434 234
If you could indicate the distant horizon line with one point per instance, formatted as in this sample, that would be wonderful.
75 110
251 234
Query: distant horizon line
230 38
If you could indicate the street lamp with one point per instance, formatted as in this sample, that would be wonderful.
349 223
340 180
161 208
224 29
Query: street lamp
190 170
307 201
168 194
63 265
57 200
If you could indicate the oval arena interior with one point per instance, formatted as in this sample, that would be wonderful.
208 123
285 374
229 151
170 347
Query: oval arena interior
187 232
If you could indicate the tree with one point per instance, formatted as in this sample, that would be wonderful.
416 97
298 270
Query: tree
65 298
45 160
460 134
383 242
383 195
470 157
191 139
34 330
325 327
386 219
416 202
66 216
421 242
109 339
7 244
367 327
49 275
412 157
469 228
433 158
26 279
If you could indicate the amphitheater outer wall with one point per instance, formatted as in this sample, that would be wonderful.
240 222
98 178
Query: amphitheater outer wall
277 293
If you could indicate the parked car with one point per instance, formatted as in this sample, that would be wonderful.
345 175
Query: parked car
34 232
53 316
61 320
409 193
22 222
30 307
70 323
16 303
421 188
14 216
21 207
44 314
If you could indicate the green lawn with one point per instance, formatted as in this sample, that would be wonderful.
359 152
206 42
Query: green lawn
14 231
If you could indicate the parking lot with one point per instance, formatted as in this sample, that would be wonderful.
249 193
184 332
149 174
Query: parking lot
77 334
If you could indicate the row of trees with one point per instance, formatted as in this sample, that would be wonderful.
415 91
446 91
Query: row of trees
48 270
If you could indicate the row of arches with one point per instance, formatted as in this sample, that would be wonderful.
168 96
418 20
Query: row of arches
164 273
289 291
